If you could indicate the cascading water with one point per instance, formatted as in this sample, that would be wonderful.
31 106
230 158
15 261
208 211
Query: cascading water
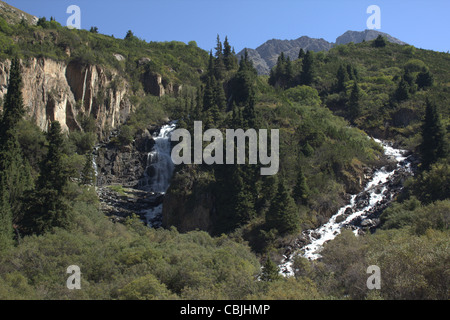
375 193
94 161
159 171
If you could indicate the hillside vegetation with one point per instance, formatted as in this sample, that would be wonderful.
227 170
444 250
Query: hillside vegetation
324 105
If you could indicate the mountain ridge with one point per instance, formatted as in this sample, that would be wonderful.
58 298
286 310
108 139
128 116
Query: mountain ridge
265 56
13 15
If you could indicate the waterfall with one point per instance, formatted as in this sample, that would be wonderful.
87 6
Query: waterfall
159 171
375 192
94 161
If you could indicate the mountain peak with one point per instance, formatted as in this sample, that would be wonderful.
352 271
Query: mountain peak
366 35
265 56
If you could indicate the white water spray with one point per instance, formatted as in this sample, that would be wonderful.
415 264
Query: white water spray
159 169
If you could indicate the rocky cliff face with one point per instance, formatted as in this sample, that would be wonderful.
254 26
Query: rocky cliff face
63 92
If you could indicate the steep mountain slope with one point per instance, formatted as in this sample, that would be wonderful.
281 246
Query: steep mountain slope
13 15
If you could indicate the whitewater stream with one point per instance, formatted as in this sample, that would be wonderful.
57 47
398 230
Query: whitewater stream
159 170
375 193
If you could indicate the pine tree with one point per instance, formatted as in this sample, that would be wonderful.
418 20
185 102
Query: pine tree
380 42
6 220
88 172
270 271
354 106
342 77
301 54
220 99
15 177
229 57
350 72
53 174
245 205
283 213
289 73
219 64
243 82
129 35
307 75
47 206
433 146
301 190
424 79
248 113
402 92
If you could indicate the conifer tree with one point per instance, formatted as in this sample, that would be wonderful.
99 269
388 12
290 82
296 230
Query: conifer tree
424 79
433 146
6 220
351 72
88 172
47 206
342 77
15 177
229 57
354 106
220 99
283 213
270 271
402 92
301 190
219 64
307 75
243 82
249 115
301 54
380 42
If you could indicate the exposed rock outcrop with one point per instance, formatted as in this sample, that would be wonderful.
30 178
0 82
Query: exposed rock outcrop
53 90
125 165
154 84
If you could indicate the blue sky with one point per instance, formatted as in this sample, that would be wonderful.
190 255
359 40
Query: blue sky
249 23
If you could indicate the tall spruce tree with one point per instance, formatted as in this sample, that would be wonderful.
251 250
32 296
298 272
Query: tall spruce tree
307 75
47 206
301 53
219 63
301 189
88 172
15 177
354 106
270 271
283 213
342 77
229 58
424 79
433 146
